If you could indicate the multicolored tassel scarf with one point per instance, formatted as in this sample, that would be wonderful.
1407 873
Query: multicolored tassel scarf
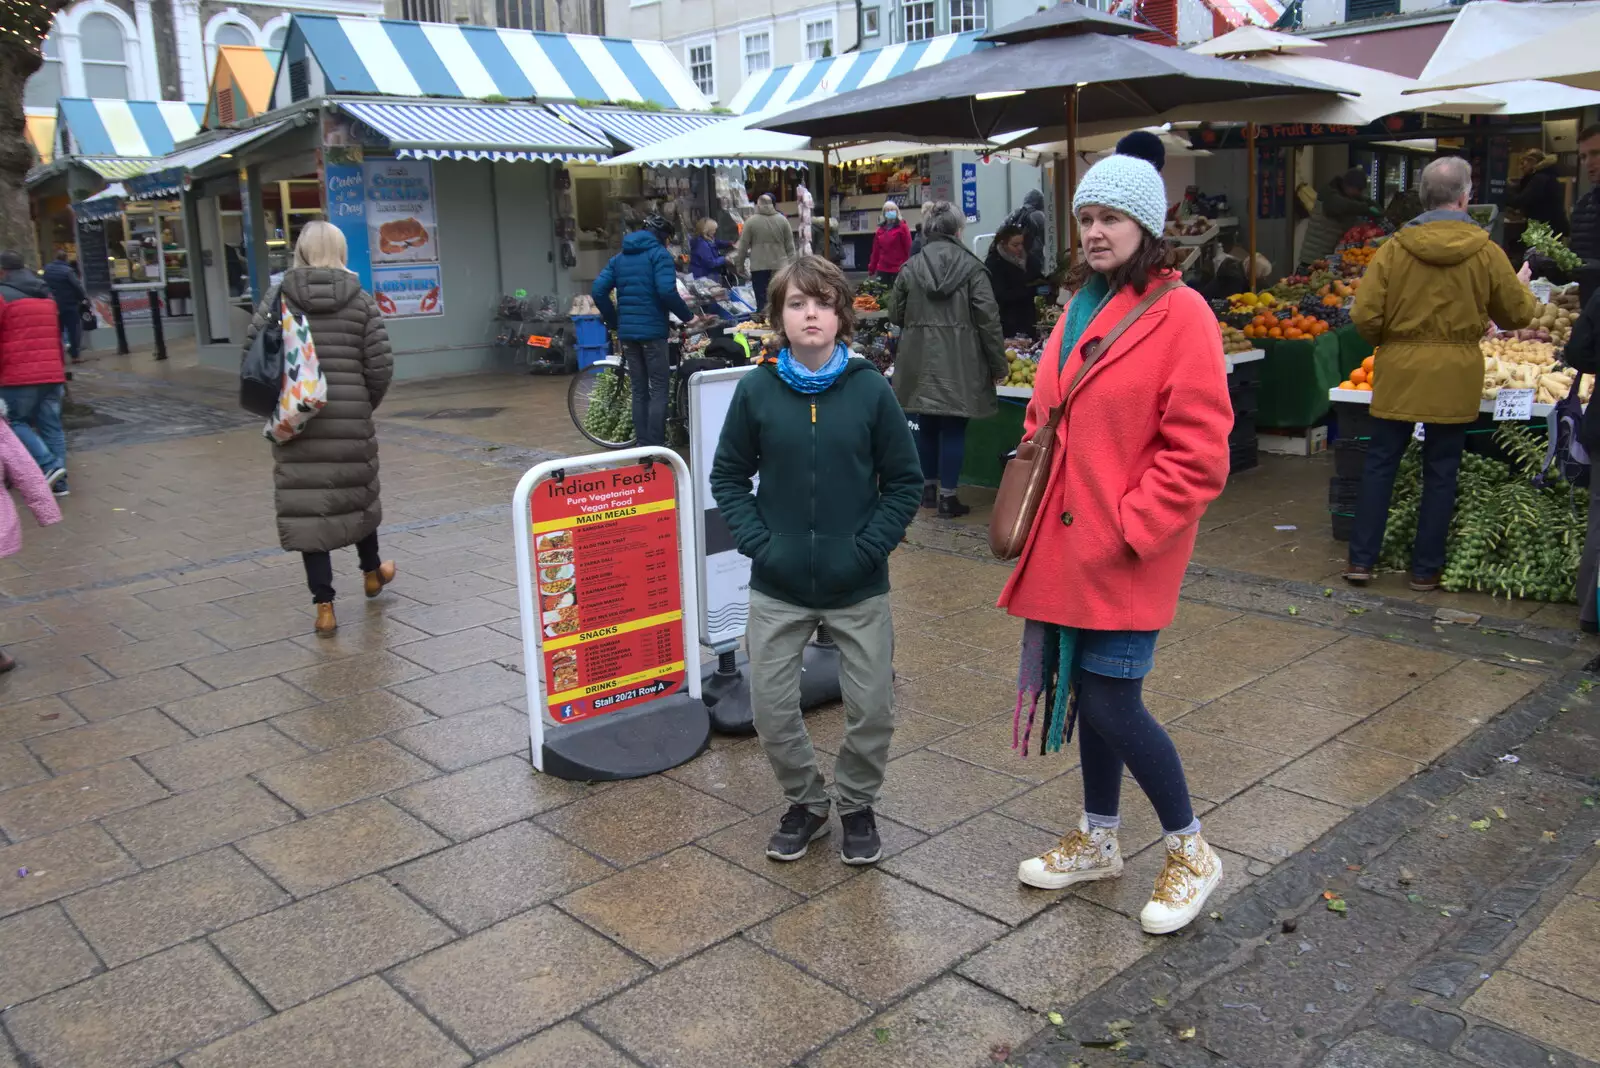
1048 670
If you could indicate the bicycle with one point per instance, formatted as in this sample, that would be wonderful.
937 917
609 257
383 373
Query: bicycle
600 400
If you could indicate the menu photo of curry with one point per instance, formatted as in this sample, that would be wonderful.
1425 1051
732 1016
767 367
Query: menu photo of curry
558 594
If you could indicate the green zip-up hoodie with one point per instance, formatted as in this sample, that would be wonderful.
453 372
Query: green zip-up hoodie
839 483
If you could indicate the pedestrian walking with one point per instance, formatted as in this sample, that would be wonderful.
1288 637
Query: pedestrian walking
891 245
1140 452
33 372
646 285
1425 300
18 471
67 288
1582 354
766 244
326 479
838 479
951 351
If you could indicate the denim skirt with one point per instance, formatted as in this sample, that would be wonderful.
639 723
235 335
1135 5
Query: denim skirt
1117 654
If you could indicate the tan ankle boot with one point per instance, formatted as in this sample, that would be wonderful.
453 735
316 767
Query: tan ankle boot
377 580
326 623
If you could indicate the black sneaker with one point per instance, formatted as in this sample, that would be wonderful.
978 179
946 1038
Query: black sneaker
930 495
950 507
796 831
861 844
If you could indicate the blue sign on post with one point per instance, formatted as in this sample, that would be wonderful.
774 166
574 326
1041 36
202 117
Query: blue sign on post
969 191
345 193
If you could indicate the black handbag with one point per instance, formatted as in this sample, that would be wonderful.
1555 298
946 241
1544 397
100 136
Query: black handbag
86 317
261 373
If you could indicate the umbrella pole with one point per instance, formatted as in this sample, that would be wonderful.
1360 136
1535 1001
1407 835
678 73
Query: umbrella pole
827 220
1072 171
1250 223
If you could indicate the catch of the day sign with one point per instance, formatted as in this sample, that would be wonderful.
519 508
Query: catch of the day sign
605 556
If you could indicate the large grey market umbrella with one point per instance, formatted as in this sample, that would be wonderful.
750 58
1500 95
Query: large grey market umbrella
1017 86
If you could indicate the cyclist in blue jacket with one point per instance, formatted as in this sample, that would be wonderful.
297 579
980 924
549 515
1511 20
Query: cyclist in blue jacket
647 292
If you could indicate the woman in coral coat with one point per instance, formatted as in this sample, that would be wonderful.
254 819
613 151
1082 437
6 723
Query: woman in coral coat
1142 451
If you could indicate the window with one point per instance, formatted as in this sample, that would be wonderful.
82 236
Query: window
966 16
105 63
819 39
232 34
520 14
869 22
703 69
421 10
44 86
920 21
275 41
757 52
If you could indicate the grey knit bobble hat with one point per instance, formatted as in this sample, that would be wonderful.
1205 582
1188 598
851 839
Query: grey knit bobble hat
1128 184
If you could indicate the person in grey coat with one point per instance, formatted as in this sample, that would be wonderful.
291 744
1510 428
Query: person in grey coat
951 353
1341 204
766 244
326 479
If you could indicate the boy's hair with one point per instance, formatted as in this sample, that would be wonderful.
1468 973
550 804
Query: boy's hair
815 277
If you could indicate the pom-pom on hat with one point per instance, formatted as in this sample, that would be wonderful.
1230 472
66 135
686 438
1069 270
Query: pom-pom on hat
1129 185
1146 146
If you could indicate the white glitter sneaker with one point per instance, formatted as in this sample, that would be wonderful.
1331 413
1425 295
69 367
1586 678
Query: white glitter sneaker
1191 872
1082 856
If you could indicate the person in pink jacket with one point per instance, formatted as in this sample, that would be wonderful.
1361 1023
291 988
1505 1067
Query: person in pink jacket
1143 449
18 470
891 245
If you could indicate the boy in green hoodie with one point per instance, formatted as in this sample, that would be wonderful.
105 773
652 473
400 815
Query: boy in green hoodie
839 483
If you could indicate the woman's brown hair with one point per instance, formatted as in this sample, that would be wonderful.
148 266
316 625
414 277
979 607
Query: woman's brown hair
815 277
1153 256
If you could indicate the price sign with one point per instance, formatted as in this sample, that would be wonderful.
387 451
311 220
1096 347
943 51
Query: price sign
1541 291
1419 432
537 342
1513 406
605 567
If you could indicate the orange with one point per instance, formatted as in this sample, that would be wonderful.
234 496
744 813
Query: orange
1347 384
1366 364
1358 376
1365 387
1275 332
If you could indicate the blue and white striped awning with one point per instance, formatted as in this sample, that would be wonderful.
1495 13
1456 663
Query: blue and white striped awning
476 131
169 175
853 70
125 128
633 129
389 58
102 205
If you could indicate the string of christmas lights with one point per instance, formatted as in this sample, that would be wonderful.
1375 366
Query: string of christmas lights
25 23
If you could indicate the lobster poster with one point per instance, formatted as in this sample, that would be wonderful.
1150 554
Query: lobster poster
406 292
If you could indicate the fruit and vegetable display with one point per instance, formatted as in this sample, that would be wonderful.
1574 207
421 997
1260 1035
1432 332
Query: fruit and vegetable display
1193 226
1292 326
1508 536
1512 364
1361 378
1046 312
1540 238
1234 340
872 287
1556 317
1021 367
866 302
1359 256
1363 233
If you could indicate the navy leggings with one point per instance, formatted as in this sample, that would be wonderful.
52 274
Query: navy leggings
941 445
1115 729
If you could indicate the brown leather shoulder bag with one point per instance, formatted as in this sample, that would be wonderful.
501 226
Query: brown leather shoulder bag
1023 483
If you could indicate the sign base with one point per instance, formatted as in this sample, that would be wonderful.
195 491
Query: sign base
727 696
630 743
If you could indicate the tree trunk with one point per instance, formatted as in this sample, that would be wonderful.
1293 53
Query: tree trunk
23 26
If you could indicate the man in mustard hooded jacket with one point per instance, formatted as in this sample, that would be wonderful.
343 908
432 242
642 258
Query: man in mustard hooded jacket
1425 301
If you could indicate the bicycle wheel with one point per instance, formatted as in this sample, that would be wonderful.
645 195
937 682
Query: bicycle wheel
601 405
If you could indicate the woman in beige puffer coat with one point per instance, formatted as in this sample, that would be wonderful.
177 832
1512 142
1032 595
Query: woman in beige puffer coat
326 479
